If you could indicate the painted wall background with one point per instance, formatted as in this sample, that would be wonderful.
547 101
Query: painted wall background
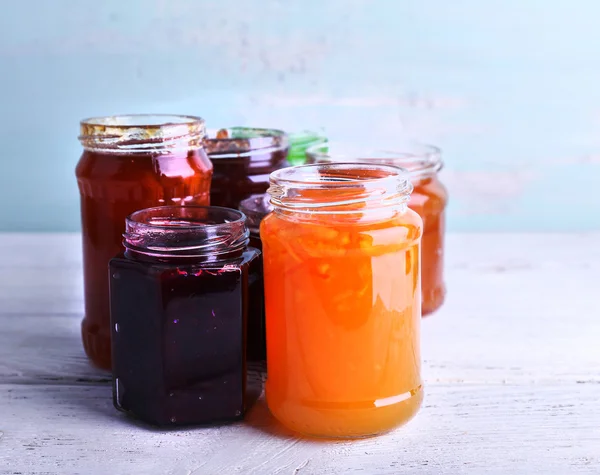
510 89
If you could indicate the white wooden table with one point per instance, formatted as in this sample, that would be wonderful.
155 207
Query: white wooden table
511 365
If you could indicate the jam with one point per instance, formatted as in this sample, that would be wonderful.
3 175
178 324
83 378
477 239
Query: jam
343 306
130 163
181 296
243 158
429 199
256 207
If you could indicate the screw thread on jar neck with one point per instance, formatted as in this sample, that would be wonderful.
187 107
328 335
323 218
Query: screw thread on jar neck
142 133
340 188
200 233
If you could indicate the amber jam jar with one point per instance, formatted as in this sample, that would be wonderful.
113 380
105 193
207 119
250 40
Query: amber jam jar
243 158
181 295
429 198
130 163
341 255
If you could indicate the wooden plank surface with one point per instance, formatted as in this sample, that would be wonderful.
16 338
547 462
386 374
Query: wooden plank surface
511 365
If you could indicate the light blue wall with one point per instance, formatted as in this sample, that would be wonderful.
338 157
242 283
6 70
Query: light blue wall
510 89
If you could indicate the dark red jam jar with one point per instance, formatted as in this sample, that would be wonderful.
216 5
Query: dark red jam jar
182 295
243 159
129 163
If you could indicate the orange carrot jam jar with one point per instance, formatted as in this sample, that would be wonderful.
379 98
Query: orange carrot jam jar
429 198
343 299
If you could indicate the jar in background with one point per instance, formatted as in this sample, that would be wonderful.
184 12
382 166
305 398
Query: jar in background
300 142
429 198
256 207
181 295
130 163
343 299
243 158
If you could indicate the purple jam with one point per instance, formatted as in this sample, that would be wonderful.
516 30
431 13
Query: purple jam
179 330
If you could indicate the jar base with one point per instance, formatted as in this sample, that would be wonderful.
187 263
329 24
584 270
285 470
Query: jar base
343 422
96 345
432 300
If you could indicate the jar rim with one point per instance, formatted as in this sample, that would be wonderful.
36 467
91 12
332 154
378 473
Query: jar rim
187 231
235 216
298 174
345 185
419 159
126 121
243 141
142 133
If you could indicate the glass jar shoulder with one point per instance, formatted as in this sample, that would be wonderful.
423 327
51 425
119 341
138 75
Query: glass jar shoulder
183 267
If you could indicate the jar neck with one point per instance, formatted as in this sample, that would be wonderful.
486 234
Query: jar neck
185 233
421 161
130 134
341 189
241 142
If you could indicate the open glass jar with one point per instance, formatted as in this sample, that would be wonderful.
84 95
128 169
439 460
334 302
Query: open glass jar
429 198
129 163
341 257
256 208
182 295
243 158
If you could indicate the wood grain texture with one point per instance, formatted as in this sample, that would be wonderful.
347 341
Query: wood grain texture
511 364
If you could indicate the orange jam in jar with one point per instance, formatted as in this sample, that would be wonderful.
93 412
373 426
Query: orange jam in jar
343 299
429 198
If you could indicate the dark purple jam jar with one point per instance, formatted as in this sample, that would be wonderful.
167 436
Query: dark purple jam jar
256 207
182 296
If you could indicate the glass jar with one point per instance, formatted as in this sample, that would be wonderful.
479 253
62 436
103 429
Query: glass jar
256 207
429 199
243 158
343 299
129 163
181 295
300 142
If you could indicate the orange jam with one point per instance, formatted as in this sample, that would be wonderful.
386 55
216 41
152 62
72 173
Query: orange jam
429 198
343 304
